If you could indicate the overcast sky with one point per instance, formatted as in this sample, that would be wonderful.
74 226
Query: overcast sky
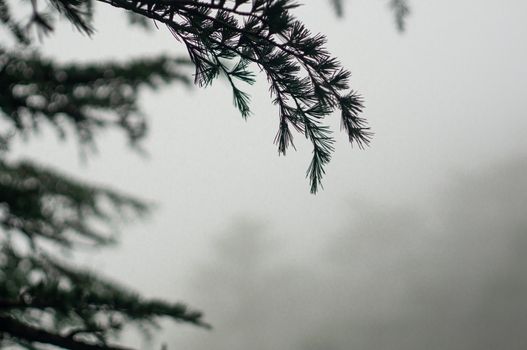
413 243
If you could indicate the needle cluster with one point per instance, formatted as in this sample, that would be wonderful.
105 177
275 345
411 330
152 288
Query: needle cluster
229 38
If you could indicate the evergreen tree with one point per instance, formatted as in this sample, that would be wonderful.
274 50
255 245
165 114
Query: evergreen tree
43 299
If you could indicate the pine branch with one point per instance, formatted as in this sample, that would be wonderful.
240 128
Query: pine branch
220 35
31 334
30 15
45 205
45 292
306 83
86 97
13 26
78 12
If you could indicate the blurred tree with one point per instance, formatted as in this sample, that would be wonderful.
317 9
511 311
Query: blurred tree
223 38
44 300
400 9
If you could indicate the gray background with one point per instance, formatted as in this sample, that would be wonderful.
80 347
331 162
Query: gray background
415 243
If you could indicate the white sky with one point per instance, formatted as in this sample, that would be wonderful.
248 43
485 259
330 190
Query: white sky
446 99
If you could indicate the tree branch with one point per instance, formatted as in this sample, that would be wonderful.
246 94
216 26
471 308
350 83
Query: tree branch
32 334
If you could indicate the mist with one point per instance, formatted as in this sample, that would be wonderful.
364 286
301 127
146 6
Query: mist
449 276
417 242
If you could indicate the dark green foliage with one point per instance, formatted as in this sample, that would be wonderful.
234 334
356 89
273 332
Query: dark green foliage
44 205
44 300
13 26
78 307
306 83
85 97
231 39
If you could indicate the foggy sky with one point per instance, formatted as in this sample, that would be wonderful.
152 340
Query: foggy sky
448 276
414 243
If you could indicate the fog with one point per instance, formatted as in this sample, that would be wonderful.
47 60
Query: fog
450 276
415 243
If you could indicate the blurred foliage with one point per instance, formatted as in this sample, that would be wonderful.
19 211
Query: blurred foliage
400 9
85 97
44 205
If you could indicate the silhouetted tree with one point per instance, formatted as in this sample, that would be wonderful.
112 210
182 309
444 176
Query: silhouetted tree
43 299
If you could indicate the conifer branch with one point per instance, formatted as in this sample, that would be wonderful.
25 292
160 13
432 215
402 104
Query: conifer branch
306 83
75 303
87 97
31 334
